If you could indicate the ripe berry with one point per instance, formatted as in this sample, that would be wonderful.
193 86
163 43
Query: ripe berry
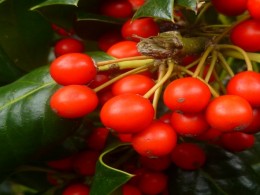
127 113
68 45
76 189
74 101
73 69
188 156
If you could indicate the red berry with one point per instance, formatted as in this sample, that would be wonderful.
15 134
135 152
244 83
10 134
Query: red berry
68 45
116 8
188 156
230 7
73 69
127 113
76 189
229 113
123 49
148 142
74 101
142 27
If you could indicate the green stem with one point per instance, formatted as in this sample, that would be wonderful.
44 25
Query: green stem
162 81
225 64
202 61
122 60
206 6
240 50
125 65
211 67
157 93
235 54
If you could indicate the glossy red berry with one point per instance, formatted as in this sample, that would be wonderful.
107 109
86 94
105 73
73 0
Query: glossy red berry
237 141
246 35
116 8
254 9
247 85
127 113
157 164
76 189
148 142
152 182
123 49
139 28
187 95
229 113
68 45
73 69
188 156
189 124
73 101
230 7
135 83
129 189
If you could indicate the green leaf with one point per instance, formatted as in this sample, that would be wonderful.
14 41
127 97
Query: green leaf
107 178
1 1
29 129
8 70
156 9
224 174
100 56
55 2
25 36
189 4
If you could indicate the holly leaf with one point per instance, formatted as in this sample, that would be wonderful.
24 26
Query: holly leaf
55 2
100 56
191 5
29 128
224 173
107 178
8 70
156 9
25 36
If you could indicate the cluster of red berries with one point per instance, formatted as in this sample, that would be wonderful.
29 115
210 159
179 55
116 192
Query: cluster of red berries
246 34
229 120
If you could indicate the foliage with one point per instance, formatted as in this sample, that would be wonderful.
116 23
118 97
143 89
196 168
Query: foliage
31 133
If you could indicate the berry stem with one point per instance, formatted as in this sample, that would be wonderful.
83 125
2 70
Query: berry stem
157 93
126 64
225 65
211 67
241 51
122 60
202 61
163 79
235 54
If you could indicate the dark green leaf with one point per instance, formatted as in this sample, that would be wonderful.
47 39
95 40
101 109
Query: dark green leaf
224 174
107 178
1 1
156 9
25 36
189 4
55 2
8 70
28 126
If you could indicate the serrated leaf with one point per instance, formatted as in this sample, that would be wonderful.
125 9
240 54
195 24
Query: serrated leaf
224 174
28 126
189 4
156 9
107 178
55 2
